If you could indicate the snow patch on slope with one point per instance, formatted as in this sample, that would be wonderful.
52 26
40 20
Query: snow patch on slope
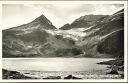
72 33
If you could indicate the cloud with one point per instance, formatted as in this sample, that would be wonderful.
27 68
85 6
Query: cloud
58 14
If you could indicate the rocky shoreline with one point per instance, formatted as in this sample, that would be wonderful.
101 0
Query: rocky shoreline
7 74
17 75
115 66
80 75
117 62
14 75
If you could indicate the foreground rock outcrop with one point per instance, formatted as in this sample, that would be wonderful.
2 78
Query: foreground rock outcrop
13 75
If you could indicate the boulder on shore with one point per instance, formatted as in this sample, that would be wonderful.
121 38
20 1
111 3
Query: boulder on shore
71 77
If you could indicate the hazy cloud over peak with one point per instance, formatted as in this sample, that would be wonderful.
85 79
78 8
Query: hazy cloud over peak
58 14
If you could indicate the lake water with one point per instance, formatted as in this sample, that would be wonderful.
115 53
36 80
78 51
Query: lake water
53 64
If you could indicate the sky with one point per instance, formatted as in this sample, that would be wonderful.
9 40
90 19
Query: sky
59 14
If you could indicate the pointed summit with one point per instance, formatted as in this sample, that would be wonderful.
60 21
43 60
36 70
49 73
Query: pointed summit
43 22
39 23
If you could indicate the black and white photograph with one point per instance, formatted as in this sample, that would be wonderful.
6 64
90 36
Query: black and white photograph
64 41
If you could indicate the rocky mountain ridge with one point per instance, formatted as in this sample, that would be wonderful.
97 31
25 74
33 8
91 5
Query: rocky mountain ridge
83 22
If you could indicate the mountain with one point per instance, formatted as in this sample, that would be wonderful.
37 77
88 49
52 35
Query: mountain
33 40
105 38
87 36
82 22
66 27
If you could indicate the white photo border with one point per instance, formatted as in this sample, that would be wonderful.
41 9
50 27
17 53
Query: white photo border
70 2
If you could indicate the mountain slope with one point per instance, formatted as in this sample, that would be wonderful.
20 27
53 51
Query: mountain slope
115 46
105 38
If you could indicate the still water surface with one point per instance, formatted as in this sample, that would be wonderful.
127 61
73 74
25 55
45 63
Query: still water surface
53 64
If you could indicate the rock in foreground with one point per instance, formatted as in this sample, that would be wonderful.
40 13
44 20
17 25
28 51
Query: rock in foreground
71 77
13 75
